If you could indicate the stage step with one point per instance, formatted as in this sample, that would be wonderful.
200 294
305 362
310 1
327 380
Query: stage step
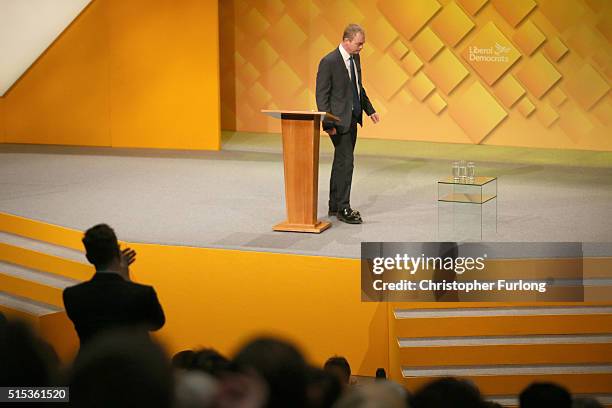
503 348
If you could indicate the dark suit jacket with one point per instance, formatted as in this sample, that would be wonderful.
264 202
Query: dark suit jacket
334 93
108 301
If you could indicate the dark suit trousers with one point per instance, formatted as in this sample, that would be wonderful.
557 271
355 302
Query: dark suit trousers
342 168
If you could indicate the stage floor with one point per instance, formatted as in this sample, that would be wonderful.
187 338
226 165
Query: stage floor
232 198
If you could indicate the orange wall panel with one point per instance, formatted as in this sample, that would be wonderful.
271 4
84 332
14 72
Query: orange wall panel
164 82
221 298
63 97
1 120
124 74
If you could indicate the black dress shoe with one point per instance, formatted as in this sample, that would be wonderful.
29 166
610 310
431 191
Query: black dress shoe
349 216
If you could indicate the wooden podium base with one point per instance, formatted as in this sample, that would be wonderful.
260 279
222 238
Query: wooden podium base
316 228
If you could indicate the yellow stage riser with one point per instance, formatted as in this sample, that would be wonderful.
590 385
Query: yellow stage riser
503 325
514 384
505 354
46 263
31 290
41 231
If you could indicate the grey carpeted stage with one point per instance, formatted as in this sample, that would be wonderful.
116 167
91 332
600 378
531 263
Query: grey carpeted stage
232 198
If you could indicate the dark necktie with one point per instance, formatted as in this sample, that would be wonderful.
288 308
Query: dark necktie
356 102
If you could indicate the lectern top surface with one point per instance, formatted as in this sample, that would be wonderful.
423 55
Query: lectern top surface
278 113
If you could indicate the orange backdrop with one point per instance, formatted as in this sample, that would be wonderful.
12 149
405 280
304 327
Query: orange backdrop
496 72
138 73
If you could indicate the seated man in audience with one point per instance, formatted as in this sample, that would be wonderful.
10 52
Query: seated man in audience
339 367
110 299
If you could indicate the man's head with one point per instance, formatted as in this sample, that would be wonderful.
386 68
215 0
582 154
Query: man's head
339 367
353 38
101 246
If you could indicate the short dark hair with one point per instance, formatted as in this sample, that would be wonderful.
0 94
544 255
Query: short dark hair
282 367
351 30
544 394
101 245
341 363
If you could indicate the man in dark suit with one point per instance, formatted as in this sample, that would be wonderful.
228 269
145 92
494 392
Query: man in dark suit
110 299
340 92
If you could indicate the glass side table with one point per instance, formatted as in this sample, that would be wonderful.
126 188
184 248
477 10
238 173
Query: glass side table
466 209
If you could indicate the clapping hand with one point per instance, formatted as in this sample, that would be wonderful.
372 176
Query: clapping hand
128 256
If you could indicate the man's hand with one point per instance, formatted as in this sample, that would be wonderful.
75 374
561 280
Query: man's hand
375 118
128 256
331 131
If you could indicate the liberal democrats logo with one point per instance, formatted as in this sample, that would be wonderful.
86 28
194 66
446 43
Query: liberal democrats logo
496 53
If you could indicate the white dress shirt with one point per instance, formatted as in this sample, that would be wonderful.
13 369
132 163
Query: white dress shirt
347 61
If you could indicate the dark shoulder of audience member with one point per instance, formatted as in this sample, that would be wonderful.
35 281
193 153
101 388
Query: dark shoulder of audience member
323 389
121 369
339 366
25 359
545 395
183 359
282 367
447 392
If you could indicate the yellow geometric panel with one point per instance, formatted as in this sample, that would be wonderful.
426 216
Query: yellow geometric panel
258 96
586 86
452 24
248 74
555 49
398 49
403 98
408 17
508 90
390 77
285 35
605 27
421 86
476 112
254 23
525 107
427 44
528 37
446 71
490 53
557 97
472 6
574 123
547 115
436 103
563 16
282 81
514 11
584 40
262 56
538 75
412 63
603 112
381 33
321 46
338 14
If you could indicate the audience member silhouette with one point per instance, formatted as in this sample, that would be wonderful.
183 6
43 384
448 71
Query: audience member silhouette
110 299
545 395
121 369
447 392
339 366
323 389
25 359
282 367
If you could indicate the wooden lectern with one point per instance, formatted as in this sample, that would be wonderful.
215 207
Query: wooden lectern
301 131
